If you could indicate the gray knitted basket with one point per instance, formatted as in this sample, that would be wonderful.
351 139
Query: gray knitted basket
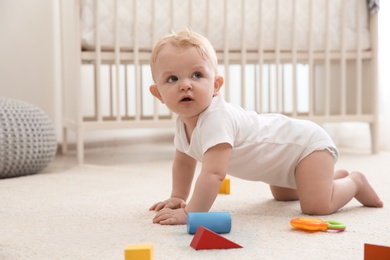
27 139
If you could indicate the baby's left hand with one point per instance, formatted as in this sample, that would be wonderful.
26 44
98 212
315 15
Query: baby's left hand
167 216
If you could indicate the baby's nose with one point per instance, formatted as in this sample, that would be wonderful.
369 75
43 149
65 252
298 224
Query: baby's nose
185 85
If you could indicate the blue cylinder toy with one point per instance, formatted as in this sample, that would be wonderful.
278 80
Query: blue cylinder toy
219 222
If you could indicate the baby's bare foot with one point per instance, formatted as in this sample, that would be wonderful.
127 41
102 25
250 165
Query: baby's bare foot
366 194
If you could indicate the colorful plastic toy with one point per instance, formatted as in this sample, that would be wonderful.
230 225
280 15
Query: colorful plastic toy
218 222
225 186
207 239
316 224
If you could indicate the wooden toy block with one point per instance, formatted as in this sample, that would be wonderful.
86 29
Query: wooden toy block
225 186
207 239
139 252
375 252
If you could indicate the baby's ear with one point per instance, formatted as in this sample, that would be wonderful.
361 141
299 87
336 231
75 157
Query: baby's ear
154 90
218 83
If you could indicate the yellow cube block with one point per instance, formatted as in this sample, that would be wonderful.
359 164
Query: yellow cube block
225 186
139 252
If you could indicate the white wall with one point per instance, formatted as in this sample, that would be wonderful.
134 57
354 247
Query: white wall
29 64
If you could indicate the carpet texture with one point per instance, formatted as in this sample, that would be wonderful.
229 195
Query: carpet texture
94 212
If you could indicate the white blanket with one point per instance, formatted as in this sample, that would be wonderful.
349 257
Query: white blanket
158 17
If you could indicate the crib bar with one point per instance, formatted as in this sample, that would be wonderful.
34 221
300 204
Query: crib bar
190 14
252 58
98 65
154 40
208 8
343 65
294 60
226 50
117 62
359 67
243 55
373 79
311 61
137 69
154 23
260 57
327 61
277 57
171 8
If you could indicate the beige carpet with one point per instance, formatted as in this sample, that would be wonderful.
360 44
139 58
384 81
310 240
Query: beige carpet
94 212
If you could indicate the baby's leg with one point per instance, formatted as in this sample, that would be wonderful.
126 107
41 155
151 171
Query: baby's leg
287 194
321 194
366 195
339 174
283 194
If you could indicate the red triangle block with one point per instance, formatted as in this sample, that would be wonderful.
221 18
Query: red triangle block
206 239
376 252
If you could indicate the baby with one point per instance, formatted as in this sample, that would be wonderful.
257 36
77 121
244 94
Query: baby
295 157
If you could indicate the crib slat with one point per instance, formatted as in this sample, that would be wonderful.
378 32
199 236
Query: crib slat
311 61
277 57
171 15
343 70
97 67
327 60
243 55
373 79
359 67
190 25
294 58
117 61
153 17
137 69
260 57
226 50
154 41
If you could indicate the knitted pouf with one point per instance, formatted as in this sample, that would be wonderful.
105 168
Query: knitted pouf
27 139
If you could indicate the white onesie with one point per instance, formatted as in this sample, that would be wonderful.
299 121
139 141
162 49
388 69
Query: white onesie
266 147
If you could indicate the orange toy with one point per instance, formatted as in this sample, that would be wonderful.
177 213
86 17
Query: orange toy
316 224
225 186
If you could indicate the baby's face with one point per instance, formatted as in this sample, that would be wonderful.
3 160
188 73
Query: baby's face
185 81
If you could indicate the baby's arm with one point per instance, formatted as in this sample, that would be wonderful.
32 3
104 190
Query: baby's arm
183 170
214 167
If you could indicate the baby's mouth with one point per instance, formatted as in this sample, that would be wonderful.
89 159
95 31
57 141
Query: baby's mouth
186 99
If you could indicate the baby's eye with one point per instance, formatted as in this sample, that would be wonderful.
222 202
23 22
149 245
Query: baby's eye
197 75
172 79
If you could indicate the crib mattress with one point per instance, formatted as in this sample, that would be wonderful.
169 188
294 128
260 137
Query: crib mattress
156 18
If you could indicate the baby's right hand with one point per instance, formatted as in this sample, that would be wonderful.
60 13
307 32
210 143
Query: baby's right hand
172 203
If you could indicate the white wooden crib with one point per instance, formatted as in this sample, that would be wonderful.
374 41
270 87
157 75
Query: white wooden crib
309 59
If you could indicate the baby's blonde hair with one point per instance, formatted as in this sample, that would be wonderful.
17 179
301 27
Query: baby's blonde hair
186 38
